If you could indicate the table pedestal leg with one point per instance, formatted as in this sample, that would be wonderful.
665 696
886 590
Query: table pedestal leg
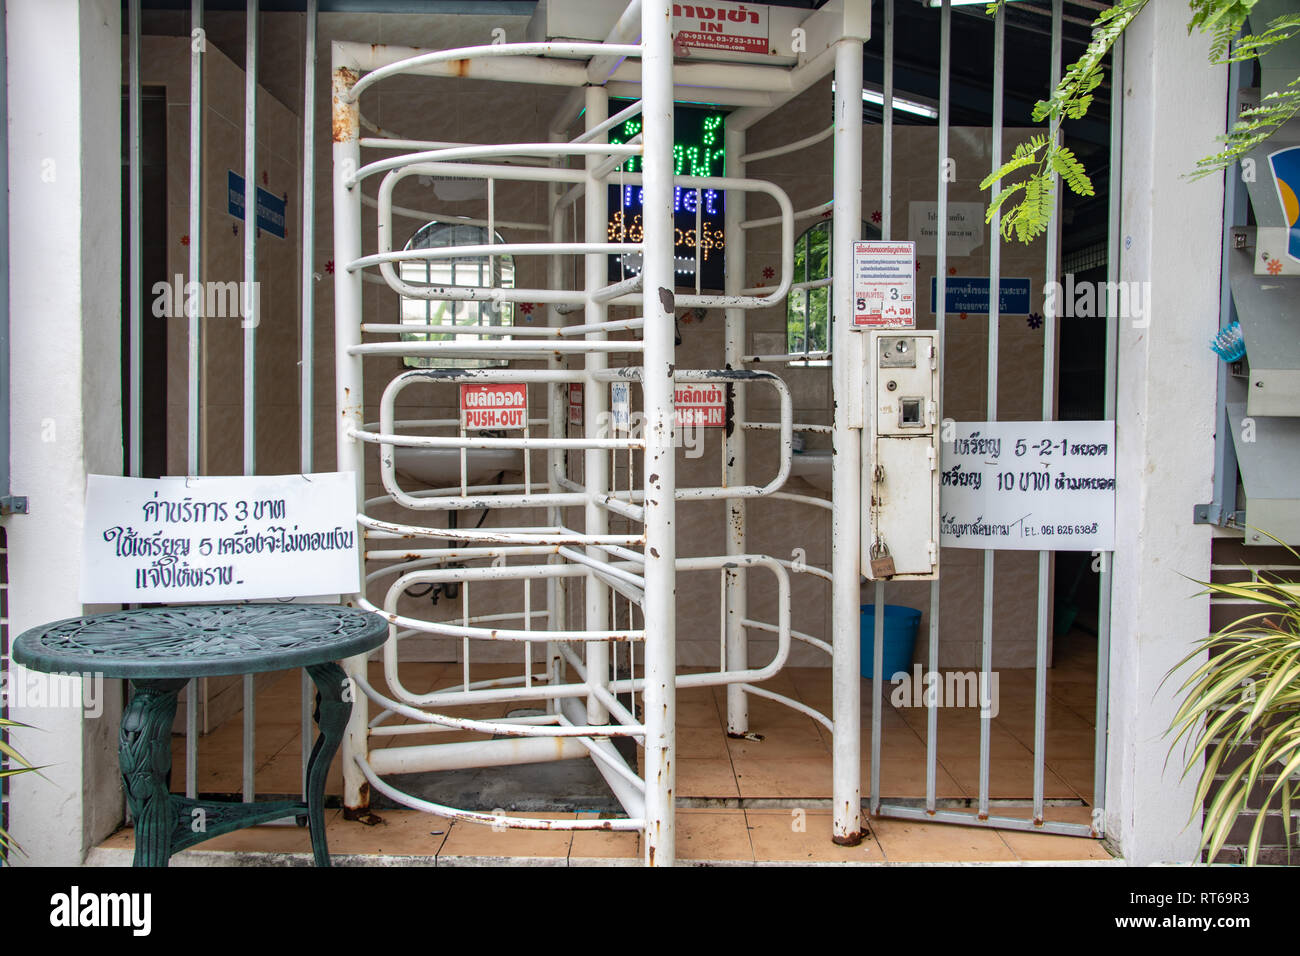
333 705
145 758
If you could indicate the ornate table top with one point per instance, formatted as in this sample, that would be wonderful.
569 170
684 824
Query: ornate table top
201 640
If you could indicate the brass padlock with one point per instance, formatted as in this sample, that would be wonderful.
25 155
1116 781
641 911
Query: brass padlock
882 562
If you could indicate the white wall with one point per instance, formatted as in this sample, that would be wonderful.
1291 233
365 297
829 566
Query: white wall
1174 106
65 294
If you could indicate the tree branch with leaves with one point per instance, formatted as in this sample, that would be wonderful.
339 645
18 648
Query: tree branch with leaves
1046 157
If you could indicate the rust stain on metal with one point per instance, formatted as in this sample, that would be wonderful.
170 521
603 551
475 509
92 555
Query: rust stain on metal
667 300
461 67
345 114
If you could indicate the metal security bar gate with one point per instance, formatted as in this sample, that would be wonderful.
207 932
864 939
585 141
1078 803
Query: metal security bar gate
589 612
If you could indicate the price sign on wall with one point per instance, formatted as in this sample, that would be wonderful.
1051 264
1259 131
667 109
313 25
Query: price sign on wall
884 285
1028 486
181 540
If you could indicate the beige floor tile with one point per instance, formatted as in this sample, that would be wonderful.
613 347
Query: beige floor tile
786 836
1009 778
1077 773
1048 846
782 742
119 839
401 833
903 841
265 839
706 777
713 835
698 714
907 778
481 841
806 777
710 742
603 847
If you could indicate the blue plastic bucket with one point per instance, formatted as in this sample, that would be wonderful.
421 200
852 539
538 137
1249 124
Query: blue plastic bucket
900 638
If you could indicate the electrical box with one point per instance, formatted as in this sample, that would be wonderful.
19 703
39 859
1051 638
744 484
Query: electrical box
900 456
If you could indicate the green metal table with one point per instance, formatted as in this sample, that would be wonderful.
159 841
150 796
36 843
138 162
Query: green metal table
159 650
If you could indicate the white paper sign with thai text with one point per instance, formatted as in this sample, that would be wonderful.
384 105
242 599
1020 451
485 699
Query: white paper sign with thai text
183 540
884 285
1028 486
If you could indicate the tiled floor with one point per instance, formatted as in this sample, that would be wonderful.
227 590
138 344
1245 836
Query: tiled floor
740 797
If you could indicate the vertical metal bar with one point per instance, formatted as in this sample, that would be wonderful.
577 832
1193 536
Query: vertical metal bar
348 379
250 320
1105 580
1049 406
877 690
846 463
886 232
940 321
595 398
991 413
5 486
198 43
887 130
1235 204
660 698
557 426
733 441
307 351
135 190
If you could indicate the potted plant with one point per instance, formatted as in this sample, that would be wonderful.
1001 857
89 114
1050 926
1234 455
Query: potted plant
1241 712
17 764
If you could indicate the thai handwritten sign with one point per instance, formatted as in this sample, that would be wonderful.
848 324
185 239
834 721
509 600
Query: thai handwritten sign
620 405
1028 486
219 539
494 406
702 405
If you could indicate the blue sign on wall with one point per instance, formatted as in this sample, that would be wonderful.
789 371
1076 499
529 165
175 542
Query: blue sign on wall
270 208
970 294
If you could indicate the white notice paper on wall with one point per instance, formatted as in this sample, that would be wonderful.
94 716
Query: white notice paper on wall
1028 486
182 540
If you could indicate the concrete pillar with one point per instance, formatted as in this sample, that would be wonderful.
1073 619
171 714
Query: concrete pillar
65 80
1174 105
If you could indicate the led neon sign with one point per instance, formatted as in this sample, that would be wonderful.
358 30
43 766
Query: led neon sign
697 151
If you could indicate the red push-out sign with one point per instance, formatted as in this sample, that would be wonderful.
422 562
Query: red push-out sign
493 406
